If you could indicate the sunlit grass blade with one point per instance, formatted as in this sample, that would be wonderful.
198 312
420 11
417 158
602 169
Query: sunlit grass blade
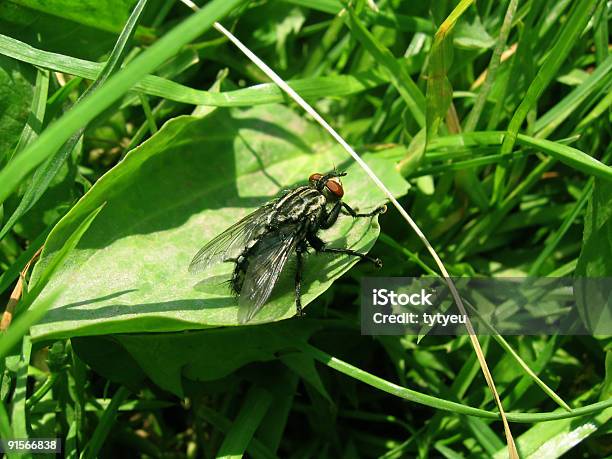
5 430
566 40
570 156
600 78
266 93
19 418
118 85
256 403
410 92
439 98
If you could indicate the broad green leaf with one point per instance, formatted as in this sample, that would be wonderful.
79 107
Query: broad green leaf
16 92
107 15
188 355
189 182
305 367
472 35
41 29
109 359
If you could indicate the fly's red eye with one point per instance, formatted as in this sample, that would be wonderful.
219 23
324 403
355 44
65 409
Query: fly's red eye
314 177
335 188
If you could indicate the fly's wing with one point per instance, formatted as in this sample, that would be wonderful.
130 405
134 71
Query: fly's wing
231 242
265 265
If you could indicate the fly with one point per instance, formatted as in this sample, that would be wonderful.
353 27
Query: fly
260 244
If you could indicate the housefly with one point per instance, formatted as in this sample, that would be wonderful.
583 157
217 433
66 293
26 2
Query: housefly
260 244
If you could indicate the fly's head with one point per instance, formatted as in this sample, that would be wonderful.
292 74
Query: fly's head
329 185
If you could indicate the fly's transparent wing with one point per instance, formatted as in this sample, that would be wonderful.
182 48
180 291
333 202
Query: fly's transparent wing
265 265
231 242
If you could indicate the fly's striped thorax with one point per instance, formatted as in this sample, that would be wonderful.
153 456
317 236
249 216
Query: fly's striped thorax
298 204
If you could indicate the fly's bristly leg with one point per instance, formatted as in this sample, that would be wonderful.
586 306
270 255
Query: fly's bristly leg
299 251
350 211
376 261
318 244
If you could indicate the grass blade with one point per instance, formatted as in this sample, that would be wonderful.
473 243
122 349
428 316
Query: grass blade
439 89
316 87
600 78
5 430
440 403
570 156
105 424
251 414
474 116
410 92
572 29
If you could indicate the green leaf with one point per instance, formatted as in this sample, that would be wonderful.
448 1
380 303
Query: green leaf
41 29
171 195
472 35
305 367
234 348
109 359
32 314
107 15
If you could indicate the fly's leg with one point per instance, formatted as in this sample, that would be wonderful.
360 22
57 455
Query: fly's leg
318 244
349 210
299 251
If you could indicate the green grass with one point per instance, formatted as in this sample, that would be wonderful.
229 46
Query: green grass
123 160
